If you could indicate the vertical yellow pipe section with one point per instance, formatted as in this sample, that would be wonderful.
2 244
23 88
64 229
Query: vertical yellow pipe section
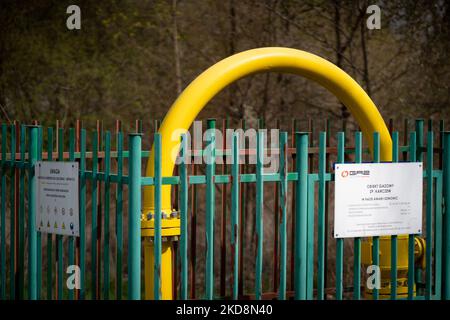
166 267
195 97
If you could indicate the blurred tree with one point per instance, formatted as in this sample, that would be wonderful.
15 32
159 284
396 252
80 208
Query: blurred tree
132 58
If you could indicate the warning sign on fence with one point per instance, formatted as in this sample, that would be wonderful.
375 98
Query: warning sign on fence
57 197
376 199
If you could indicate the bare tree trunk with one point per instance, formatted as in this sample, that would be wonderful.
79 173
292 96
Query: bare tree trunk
339 50
337 33
176 47
365 58
272 41
231 51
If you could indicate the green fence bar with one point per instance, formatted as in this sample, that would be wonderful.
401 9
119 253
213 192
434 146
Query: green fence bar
12 230
158 213
357 241
276 195
283 215
184 192
376 240
49 236
82 214
394 243
326 206
321 218
301 215
429 218
243 221
259 213
94 223
235 214
3 216
411 237
71 240
294 125
420 150
340 241
134 220
119 216
32 233
59 238
446 251
21 221
223 214
106 224
438 231
210 208
39 234
419 139
310 258
193 226
21 277
100 175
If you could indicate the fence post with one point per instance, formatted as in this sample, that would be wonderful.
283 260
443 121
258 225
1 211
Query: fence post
301 213
259 213
32 233
134 213
210 208
282 214
235 214
3 216
184 237
419 139
157 240
446 172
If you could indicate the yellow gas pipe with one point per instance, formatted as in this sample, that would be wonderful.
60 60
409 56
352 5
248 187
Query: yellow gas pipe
195 97
385 263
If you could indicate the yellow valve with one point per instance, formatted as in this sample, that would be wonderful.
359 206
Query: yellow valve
419 252
170 230
169 227
195 97
385 263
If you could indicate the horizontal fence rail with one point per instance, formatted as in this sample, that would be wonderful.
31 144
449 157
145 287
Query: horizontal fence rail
268 233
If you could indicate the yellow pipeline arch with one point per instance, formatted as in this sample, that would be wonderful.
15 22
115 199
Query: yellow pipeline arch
195 97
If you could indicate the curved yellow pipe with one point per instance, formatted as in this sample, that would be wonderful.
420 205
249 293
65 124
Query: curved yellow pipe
194 98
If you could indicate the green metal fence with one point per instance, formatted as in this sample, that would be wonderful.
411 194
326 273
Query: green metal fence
33 264
17 174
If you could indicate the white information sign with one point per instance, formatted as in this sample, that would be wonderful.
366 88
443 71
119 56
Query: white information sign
57 197
376 199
